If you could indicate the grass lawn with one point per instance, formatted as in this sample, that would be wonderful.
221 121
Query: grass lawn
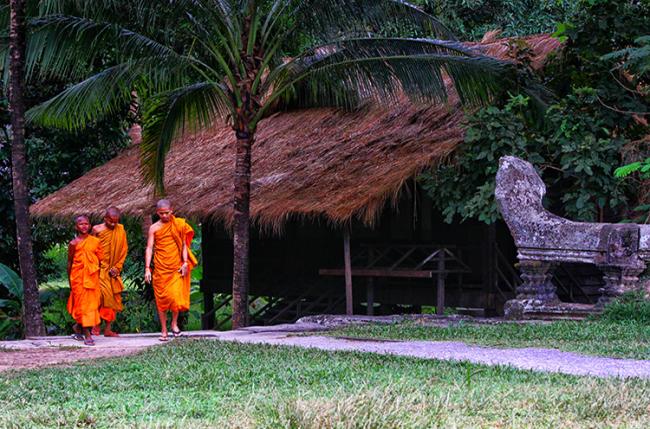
194 383
619 339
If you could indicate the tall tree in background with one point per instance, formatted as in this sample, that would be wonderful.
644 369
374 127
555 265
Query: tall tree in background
193 62
32 315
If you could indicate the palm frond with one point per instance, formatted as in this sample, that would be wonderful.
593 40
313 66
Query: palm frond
331 18
107 92
64 46
173 113
348 71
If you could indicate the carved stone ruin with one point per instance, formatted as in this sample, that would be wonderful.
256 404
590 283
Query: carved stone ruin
544 240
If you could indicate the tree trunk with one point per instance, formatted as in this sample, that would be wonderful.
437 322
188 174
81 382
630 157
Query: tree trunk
241 229
32 315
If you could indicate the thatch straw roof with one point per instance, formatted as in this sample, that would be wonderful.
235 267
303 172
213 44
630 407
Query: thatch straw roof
316 162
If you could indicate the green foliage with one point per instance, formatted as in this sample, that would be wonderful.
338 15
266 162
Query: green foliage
10 304
596 30
635 60
139 315
470 19
626 170
584 150
56 259
56 318
630 307
584 132
55 158
573 151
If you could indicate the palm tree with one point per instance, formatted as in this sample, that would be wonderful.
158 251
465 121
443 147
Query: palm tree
193 62
32 316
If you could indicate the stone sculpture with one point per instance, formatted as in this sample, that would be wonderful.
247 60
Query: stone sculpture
544 240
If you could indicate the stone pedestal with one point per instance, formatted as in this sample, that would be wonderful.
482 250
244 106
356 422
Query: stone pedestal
536 291
537 285
618 280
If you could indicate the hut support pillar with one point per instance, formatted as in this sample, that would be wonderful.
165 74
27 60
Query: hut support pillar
370 289
348 271
207 319
440 285
370 296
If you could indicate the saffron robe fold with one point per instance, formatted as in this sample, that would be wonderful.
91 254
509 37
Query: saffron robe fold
83 303
114 248
172 292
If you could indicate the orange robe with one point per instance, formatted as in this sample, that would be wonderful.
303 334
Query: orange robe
172 292
83 304
114 248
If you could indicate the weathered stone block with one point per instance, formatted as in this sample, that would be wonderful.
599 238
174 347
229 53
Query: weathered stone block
544 239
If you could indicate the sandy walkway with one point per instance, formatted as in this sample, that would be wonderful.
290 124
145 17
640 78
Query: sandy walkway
58 350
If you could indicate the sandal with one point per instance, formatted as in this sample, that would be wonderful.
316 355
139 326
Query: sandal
177 333
111 334
89 342
163 338
77 337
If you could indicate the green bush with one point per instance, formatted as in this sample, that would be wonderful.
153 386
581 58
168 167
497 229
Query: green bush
139 314
57 320
630 307
11 298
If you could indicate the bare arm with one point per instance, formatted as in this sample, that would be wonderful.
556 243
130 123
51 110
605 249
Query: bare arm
117 268
184 257
148 253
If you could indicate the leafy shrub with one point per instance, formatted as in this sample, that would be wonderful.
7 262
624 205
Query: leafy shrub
470 19
573 150
139 314
11 326
630 307
56 318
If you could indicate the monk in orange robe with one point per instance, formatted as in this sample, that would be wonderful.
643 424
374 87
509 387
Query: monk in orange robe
169 242
84 254
114 247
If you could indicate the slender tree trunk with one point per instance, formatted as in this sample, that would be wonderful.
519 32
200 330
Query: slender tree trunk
241 229
32 315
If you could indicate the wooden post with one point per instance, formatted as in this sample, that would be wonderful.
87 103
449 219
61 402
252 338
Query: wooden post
370 288
207 318
491 266
440 289
370 296
348 271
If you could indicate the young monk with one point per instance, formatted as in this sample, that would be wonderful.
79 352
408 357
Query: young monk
112 236
84 254
169 242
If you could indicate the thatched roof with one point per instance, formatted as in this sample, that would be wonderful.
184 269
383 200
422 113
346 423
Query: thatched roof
316 162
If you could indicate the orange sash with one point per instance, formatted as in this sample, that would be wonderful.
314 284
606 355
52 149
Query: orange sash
114 248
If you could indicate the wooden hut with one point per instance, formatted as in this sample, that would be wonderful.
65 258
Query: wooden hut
317 176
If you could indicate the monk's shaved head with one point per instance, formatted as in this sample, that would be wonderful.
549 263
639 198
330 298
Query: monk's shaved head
164 204
80 217
113 212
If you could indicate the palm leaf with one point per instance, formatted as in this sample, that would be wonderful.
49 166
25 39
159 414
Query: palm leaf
347 72
329 19
108 92
171 114
64 46
11 281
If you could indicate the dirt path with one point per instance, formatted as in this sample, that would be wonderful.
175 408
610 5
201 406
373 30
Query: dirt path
58 350
36 358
